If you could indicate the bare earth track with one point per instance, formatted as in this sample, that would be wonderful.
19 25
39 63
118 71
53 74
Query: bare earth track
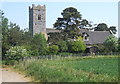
9 75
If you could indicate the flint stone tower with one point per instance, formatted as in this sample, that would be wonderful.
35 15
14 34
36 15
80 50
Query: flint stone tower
37 19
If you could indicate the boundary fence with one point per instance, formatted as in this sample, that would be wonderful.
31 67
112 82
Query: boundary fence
70 55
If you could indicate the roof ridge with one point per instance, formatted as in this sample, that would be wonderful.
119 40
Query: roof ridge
98 31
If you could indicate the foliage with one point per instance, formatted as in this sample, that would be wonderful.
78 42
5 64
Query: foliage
92 69
113 29
70 22
4 27
26 37
103 49
104 27
12 35
62 46
70 16
16 53
53 49
55 37
79 38
119 44
111 43
84 24
15 35
33 52
76 46
39 43
101 27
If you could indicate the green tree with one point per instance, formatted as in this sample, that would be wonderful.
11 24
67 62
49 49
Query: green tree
4 27
53 49
76 46
70 22
62 46
101 27
12 35
15 35
111 43
85 23
39 44
104 27
54 38
113 29
0 34
103 49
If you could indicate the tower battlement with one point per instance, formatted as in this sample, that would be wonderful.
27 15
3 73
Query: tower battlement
37 7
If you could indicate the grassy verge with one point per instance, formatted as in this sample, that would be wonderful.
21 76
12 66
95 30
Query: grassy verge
73 69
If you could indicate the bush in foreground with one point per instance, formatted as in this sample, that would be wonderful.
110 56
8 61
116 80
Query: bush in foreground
16 53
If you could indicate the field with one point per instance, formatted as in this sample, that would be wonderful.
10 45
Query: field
73 69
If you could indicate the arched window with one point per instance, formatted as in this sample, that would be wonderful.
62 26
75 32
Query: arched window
39 17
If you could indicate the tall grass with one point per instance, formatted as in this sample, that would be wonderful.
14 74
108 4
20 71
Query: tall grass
74 69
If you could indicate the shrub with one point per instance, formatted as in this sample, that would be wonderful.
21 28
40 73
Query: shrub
53 49
102 49
111 43
62 46
9 62
16 53
34 52
75 46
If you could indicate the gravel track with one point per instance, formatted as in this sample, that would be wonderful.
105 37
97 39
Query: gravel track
8 75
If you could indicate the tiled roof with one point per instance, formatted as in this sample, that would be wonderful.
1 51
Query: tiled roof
51 30
95 37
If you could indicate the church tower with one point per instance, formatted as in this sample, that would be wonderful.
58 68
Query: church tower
37 19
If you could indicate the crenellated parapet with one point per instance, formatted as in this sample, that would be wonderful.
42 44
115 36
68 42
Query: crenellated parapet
37 7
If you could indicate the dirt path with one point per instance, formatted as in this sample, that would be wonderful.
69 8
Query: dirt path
8 75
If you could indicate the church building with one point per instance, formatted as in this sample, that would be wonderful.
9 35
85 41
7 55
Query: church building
37 24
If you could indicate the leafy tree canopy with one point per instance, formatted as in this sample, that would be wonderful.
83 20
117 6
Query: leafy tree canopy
85 23
39 43
104 27
113 29
70 22
12 35
101 27
111 43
